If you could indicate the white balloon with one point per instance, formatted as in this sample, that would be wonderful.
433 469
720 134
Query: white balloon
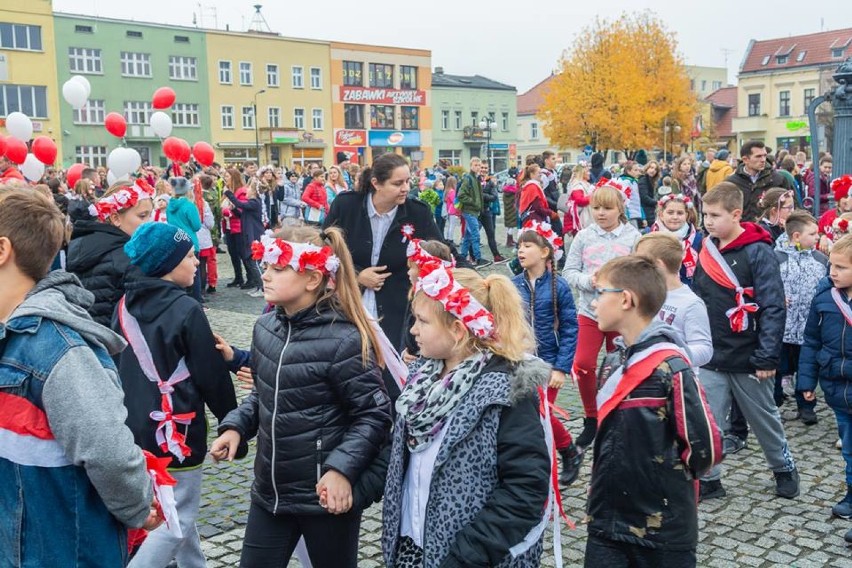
123 161
161 124
32 168
74 93
112 178
85 82
20 126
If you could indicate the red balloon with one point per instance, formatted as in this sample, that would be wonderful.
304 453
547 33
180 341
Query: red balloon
204 153
164 97
2 145
44 149
74 173
115 124
16 150
171 148
184 151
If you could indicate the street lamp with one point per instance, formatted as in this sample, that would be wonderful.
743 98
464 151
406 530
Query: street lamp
666 130
487 124
256 127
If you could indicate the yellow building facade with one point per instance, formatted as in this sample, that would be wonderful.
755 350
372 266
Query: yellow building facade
28 77
287 80
382 102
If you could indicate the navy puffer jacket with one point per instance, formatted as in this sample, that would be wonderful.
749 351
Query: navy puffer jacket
556 344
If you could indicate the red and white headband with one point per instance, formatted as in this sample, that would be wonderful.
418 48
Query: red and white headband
298 256
124 198
437 282
623 188
420 257
546 232
664 200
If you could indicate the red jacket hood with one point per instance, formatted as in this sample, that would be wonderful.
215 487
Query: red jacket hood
752 233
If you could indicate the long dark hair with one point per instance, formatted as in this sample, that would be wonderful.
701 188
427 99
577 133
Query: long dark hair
530 236
382 169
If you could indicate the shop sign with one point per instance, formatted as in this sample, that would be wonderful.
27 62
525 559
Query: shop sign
343 137
284 136
382 96
350 151
401 138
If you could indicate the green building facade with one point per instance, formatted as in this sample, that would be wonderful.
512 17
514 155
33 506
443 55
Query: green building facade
459 106
125 62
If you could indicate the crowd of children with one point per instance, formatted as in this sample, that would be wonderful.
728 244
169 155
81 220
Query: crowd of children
701 319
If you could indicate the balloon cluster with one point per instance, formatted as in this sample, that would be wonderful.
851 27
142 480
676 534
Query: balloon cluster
32 159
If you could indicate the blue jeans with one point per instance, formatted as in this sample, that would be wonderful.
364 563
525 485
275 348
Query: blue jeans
844 431
470 239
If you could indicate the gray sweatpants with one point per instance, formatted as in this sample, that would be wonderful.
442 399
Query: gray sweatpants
758 407
161 546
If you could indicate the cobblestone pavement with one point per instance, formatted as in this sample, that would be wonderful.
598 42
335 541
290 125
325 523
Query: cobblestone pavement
750 527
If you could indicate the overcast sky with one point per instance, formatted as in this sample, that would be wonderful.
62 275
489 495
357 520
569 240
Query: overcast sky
501 40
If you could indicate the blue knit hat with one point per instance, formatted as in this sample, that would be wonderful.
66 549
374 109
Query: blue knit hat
157 248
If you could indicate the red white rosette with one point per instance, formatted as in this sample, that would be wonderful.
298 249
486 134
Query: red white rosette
548 234
122 199
299 256
437 282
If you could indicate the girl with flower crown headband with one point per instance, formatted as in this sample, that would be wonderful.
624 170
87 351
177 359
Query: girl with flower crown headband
676 215
96 250
319 405
775 204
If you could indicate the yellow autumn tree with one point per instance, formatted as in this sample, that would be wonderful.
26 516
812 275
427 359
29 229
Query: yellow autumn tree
618 85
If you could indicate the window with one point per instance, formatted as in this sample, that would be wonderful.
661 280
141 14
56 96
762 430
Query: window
381 75
84 29
20 36
504 122
246 73
316 119
135 64
298 77
227 113
134 34
692 84
407 77
784 103
474 117
703 86
84 60
382 116
717 85
452 156
316 78
353 116
810 95
182 68
137 112
299 118
765 60
781 59
93 155
754 105
801 56
225 72
28 99
458 120
185 114
410 118
533 131
92 113
248 118
181 39
353 73
837 52
272 79
445 120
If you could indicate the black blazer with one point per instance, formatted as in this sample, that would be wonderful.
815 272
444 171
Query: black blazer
349 212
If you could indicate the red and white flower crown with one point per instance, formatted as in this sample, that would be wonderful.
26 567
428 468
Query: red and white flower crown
298 256
623 188
125 198
675 197
547 233
437 282
840 225
843 184
420 257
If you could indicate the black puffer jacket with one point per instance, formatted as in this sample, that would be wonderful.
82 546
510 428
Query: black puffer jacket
96 255
752 190
648 452
314 407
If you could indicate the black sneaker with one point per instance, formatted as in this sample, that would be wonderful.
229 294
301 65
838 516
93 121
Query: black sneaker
787 484
572 459
808 416
234 284
733 444
211 290
587 436
482 263
844 508
710 490
249 286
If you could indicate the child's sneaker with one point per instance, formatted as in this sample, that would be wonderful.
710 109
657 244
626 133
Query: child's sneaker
711 490
572 459
808 416
787 484
844 508
838 444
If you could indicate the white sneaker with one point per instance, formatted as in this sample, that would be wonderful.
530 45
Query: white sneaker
256 293
839 444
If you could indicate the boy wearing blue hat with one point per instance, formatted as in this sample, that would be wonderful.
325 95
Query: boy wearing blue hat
169 371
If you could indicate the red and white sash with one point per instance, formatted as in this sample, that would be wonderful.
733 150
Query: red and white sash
842 305
168 436
630 375
720 272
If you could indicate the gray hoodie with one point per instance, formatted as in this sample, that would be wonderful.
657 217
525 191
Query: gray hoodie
84 402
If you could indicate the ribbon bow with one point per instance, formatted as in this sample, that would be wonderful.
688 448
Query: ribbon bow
738 315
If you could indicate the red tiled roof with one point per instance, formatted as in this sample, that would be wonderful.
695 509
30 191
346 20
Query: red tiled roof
529 102
801 51
724 102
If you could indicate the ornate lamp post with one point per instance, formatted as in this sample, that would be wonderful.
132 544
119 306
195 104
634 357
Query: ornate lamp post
487 124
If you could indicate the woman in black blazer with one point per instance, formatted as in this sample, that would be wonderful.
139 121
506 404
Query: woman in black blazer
383 272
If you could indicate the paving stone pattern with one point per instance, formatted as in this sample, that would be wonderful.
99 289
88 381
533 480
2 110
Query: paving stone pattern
749 527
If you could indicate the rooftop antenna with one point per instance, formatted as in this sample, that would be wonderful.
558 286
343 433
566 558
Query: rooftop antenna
726 52
258 22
